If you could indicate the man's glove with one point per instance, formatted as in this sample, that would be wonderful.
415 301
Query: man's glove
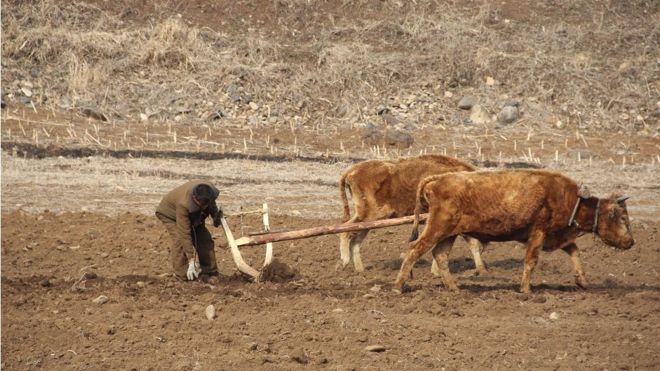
193 272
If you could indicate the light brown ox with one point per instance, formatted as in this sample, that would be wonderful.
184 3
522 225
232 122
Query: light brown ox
387 189
530 206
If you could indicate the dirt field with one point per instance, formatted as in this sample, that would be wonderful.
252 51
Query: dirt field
111 104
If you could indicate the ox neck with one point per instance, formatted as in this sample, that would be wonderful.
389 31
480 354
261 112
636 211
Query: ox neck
586 216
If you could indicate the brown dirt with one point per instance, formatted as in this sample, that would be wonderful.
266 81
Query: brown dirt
278 271
326 318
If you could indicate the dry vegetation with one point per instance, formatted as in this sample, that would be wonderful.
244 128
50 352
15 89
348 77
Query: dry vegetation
593 65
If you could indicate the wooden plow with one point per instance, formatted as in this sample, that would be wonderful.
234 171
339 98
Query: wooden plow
266 237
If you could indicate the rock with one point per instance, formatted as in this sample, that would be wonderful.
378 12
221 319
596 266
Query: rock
216 115
390 120
375 348
448 94
559 124
92 113
233 92
375 288
381 110
467 102
554 316
26 91
253 106
45 282
490 81
300 356
655 114
25 100
90 275
141 284
512 102
102 299
253 346
143 117
581 154
508 115
210 312
479 115
399 138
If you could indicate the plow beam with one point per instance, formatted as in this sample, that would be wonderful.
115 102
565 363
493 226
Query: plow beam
324 230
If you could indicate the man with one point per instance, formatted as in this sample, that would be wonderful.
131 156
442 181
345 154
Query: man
183 211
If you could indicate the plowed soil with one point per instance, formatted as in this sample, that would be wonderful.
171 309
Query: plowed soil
55 264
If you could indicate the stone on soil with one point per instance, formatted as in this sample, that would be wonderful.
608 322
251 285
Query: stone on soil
210 312
102 299
467 102
375 348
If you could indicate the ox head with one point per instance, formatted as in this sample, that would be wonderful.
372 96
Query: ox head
613 223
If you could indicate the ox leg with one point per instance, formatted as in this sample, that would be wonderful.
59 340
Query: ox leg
345 241
355 249
573 251
434 269
476 247
417 248
534 244
441 258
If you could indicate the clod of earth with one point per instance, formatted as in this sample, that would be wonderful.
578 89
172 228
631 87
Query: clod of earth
279 272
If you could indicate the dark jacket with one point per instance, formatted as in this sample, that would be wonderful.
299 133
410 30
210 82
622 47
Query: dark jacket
178 206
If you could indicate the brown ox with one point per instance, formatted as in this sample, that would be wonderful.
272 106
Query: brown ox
538 207
387 189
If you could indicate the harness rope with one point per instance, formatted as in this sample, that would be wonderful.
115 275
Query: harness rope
573 222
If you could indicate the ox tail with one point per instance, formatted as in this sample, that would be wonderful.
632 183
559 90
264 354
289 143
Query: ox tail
418 205
344 198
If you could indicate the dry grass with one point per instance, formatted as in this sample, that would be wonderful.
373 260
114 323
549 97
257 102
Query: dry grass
342 70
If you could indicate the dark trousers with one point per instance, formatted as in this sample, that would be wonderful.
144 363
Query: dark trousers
203 243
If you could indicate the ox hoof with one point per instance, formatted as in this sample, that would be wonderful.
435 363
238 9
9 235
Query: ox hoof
340 266
401 290
480 272
453 288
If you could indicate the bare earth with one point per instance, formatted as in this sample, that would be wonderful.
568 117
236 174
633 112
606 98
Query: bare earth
320 317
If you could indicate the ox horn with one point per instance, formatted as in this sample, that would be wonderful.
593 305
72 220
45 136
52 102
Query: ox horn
621 199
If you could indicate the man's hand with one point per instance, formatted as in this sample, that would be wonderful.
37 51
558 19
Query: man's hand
192 270
217 219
